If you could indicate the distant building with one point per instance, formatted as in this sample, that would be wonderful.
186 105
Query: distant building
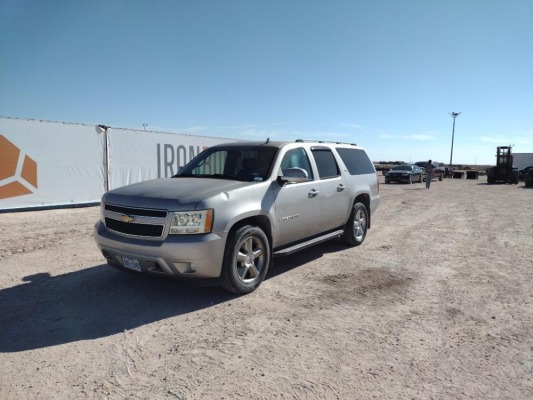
522 160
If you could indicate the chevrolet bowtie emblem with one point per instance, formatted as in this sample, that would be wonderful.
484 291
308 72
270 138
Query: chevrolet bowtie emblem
127 218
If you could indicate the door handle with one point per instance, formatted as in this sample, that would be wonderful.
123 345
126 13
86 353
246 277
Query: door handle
340 188
313 193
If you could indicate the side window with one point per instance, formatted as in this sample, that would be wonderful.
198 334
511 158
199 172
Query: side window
356 160
297 158
326 164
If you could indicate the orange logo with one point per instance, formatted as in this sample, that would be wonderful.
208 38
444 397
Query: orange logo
18 172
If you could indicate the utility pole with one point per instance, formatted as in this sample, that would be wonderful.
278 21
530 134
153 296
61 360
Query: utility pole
454 115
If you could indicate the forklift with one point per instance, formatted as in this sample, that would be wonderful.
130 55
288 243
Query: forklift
504 171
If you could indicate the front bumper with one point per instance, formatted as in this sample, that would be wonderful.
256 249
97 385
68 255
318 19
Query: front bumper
397 178
183 256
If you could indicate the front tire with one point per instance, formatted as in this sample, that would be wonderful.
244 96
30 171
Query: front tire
246 260
357 225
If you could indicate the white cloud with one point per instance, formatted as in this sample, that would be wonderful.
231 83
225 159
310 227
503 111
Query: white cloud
525 138
492 139
275 131
523 133
196 129
351 125
421 137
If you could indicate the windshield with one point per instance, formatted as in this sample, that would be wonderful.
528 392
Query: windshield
403 168
243 163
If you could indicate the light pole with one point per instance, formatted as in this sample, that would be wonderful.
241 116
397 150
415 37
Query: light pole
454 115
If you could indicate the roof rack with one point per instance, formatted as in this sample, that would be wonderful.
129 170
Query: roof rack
324 141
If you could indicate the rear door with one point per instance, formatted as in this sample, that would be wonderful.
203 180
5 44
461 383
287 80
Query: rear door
334 195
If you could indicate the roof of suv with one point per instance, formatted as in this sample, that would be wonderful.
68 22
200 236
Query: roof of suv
282 143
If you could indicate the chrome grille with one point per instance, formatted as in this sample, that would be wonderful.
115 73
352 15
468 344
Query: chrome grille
142 212
132 221
132 228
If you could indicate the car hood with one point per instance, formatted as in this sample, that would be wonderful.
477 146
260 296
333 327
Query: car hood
172 193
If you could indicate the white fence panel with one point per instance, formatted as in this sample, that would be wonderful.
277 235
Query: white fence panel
136 156
53 164
45 164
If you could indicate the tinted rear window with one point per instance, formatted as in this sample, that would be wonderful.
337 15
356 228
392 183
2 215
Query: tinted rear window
326 164
403 168
356 160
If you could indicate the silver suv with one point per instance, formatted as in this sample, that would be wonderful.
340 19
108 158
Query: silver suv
235 206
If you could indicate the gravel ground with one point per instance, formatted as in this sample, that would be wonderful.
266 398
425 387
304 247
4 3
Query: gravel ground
436 304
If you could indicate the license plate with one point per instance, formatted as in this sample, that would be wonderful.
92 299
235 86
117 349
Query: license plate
131 263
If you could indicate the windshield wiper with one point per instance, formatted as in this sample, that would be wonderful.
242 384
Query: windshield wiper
211 176
224 176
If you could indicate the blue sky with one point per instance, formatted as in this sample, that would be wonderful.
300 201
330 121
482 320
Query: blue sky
383 74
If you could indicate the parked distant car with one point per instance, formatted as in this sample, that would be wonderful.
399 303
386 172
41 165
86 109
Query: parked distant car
407 173
523 172
438 172
448 172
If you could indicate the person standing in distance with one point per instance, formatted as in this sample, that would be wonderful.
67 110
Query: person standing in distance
429 173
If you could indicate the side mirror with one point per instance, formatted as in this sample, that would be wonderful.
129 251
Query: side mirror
293 175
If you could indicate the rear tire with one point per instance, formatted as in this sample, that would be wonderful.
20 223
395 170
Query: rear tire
357 225
246 260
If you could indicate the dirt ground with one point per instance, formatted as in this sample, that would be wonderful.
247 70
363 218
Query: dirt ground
436 304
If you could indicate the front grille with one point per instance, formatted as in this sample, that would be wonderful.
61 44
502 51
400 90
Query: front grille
133 228
142 212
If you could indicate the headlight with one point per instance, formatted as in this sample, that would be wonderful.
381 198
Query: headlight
191 222
102 210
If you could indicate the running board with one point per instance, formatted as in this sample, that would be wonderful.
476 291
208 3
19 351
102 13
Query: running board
312 242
